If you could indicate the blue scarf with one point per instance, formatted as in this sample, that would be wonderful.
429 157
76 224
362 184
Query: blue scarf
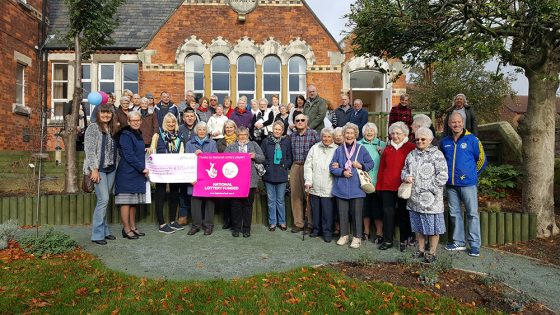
277 150
200 141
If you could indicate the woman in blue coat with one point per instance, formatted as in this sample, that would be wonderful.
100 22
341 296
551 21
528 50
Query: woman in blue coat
277 151
348 158
130 187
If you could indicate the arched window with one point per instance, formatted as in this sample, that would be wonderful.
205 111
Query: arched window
246 77
194 75
297 71
271 77
220 77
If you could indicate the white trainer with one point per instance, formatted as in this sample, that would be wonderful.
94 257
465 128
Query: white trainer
356 242
343 240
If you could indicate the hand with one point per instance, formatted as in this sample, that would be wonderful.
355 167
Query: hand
409 179
379 149
146 172
149 151
259 125
334 165
252 155
357 165
197 152
308 187
347 174
94 176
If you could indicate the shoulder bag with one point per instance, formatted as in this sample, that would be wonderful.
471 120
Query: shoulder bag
365 180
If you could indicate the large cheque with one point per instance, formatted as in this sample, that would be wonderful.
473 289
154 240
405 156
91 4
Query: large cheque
223 175
172 168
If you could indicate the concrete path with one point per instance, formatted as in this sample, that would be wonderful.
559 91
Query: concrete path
181 257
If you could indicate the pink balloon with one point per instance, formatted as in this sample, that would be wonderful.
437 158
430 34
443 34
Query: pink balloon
104 97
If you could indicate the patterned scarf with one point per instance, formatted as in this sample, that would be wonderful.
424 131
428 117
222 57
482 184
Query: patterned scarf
170 138
348 164
277 150
230 139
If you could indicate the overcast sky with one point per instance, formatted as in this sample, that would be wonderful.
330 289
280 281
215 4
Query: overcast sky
331 16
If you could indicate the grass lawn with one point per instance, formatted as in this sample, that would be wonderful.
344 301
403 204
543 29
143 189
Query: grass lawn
78 282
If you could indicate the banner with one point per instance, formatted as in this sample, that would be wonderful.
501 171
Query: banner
223 175
172 168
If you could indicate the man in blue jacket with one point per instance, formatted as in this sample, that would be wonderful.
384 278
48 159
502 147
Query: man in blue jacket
465 161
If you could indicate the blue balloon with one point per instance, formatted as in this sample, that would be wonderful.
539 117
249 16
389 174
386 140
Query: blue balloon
94 98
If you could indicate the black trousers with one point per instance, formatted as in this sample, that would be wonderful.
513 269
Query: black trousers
172 202
394 212
242 212
323 216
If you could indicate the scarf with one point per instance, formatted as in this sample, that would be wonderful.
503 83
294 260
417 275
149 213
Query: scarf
170 139
200 141
277 150
241 110
108 145
398 146
203 109
230 139
348 164
144 112
243 147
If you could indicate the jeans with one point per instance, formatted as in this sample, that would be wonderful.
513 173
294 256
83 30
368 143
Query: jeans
184 201
275 194
99 227
469 196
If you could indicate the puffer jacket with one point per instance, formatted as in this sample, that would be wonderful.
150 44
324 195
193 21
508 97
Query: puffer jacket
316 169
429 171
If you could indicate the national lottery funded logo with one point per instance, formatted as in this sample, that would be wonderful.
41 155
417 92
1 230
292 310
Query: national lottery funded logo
230 170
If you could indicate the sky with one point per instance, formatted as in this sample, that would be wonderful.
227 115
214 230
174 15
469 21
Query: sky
331 16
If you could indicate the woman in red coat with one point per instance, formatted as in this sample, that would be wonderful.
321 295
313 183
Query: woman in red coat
388 182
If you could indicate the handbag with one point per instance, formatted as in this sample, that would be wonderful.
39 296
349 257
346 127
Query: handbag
260 169
87 184
405 190
365 180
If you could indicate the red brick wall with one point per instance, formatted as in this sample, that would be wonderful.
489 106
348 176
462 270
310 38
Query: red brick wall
19 31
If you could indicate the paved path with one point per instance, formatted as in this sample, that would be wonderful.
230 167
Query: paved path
180 257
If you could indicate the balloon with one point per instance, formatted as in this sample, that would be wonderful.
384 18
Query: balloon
104 97
94 98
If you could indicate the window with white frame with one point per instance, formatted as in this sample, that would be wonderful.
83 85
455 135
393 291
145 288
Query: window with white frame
106 77
367 80
272 83
194 75
86 85
220 77
20 84
246 84
297 76
130 77
59 89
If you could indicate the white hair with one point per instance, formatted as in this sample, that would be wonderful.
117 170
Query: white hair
424 132
370 125
399 125
422 120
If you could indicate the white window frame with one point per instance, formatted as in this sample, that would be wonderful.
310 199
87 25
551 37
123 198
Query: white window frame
100 80
193 74
254 74
384 83
84 95
129 82
279 73
298 92
219 92
53 81
20 86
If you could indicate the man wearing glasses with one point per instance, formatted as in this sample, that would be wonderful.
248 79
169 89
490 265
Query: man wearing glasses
213 102
302 140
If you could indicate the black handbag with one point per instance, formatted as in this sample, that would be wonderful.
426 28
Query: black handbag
87 184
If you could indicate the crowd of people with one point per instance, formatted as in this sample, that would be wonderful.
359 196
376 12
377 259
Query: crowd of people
309 150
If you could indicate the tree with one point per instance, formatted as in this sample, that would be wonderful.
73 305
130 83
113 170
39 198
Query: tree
436 86
522 33
90 25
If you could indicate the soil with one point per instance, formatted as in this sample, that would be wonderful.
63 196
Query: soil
465 287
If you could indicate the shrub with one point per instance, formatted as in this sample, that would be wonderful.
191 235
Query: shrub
51 242
497 179
8 232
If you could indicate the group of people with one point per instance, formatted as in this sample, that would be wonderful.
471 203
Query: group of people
317 150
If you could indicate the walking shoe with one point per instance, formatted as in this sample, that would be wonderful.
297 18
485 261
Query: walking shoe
474 252
418 254
378 240
356 242
193 231
453 246
327 239
296 229
429 258
176 226
208 231
365 237
314 234
166 229
343 240
385 246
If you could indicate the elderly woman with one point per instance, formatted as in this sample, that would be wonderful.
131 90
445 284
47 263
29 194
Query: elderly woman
283 116
421 120
229 138
372 207
167 141
388 182
426 169
319 184
149 126
242 208
298 109
122 112
200 143
130 187
338 135
261 121
277 151
348 158
216 123
100 164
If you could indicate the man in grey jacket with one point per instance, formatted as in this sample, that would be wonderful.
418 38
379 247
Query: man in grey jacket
315 108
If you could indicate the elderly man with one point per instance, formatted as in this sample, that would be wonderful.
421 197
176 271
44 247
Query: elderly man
241 116
302 140
461 106
465 161
213 102
343 112
165 106
189 96
135 102
315 108
359 116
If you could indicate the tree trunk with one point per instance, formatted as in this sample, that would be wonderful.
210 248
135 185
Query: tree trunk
537 133
71 123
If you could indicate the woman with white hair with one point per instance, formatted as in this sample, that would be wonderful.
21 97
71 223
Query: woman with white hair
319 182
149 125
216 123
348 158
426 169
372 206
262 122
422 120
388 182
167 141
122 111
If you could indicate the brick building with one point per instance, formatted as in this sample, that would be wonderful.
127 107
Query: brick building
225 47
20 29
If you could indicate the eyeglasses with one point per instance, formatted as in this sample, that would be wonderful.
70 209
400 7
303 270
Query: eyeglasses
421 139
300 120
213 100
136 120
